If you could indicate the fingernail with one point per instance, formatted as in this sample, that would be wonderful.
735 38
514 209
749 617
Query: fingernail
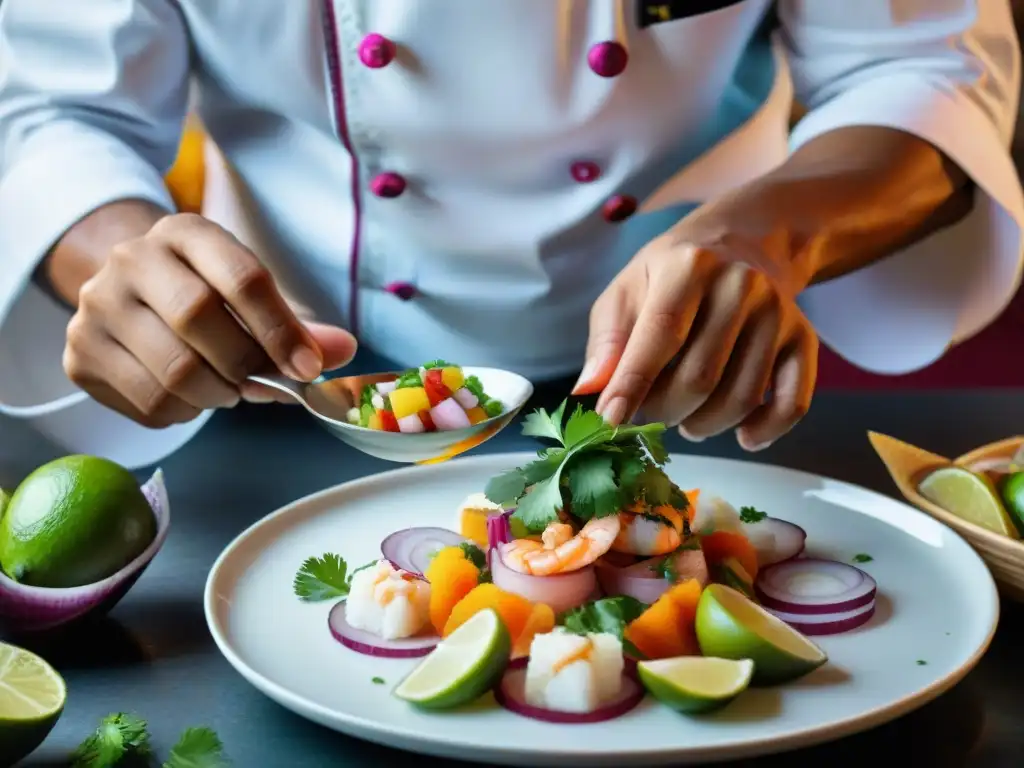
342 364
752 447
588 372
688 436
615 411
306 363
255 393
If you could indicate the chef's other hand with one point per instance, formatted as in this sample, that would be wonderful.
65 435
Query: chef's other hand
707 338
154 337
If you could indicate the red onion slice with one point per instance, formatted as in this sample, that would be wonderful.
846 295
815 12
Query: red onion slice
775 540
499 530
511 694
26 608
562 592
412 548
646 588
828 623
367 643
812 586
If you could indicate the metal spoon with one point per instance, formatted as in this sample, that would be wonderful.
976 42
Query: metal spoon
331 400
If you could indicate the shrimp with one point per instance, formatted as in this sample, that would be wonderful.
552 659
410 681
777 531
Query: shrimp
649 532
561 551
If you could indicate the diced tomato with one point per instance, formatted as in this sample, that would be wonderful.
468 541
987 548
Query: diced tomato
434 386
388 420
428 422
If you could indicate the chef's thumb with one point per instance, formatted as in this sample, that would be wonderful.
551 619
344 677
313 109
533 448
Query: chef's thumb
609 331
337 345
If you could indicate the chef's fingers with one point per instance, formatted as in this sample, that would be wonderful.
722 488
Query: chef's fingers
238 278
702 363
337 345
671 301
611 319
747 377
796 371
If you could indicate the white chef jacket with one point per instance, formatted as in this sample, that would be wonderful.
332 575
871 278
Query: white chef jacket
457 179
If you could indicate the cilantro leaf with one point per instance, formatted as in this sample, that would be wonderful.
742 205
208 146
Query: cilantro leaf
198 748
751 515
322 578
586 426
609 614
474 554
505 488
118 736
540 423
592 486
540 505
438 364
410 378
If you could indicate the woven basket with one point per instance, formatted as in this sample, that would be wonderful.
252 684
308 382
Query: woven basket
908 465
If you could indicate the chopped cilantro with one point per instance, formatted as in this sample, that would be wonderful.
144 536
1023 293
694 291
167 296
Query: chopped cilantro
438 364
410 378
751 515
198 748
378 681
474 554
862 558
609 614
921 662
118 736
324 578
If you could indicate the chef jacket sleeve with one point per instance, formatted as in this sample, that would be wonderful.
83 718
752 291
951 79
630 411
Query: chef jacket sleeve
947 71
92 98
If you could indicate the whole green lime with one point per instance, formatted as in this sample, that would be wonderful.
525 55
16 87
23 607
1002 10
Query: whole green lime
1013 496
74 521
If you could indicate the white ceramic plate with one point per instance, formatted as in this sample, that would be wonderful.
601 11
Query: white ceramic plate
937 612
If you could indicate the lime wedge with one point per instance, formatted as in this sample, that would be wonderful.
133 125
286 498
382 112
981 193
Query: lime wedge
1013 495
695 684
4 499
32 697
729 626
463 667
970 497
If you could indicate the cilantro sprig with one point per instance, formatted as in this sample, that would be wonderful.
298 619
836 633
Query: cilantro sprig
609 614
752 515
198 748
594 468
122 739
324 578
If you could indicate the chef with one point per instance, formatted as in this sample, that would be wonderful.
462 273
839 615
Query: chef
547 186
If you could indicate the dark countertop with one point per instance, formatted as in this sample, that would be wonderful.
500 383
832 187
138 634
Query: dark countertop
154 655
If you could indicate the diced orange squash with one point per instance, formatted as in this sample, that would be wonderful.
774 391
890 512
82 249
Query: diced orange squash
476 415
540 621
692 497
514 610
473 525
451 578
666 628
408 400
452 378
375 422
721 545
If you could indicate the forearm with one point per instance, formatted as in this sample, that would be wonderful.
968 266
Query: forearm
84 248
842 201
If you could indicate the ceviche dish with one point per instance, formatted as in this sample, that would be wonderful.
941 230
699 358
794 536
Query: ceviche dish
569 589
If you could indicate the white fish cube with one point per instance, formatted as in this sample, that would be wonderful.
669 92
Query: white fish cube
573 673
386 602
716 514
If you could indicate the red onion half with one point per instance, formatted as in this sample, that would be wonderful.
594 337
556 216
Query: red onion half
367 643
811 586
561 592
411 549
641 582
511 694
25 608
775 540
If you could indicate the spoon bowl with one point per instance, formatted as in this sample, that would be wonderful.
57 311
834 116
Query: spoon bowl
330 401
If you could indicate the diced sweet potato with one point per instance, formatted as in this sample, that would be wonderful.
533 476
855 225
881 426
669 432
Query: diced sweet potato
666 628
721 545
540 621
451 578
514 610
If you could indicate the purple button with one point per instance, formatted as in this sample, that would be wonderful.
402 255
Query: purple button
585 171
404 291
387 184
607 59
618 208
376 51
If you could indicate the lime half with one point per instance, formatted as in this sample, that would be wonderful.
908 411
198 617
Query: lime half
32 697
970 497
695 684
463 667
1013 495
730 626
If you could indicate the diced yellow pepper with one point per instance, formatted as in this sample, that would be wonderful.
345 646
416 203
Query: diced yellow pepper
452 378
476 415
473 525
408 400
375 422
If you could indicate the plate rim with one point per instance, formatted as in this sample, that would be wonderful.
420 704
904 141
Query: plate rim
447 747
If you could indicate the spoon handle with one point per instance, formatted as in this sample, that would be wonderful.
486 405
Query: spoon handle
281 384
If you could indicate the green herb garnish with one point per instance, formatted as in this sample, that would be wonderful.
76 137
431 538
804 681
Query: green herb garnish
198 748
474 554
438 364
410 378
751 515
377 680
118 736
491 407
598 467
324 578
862 558
609 614
921 662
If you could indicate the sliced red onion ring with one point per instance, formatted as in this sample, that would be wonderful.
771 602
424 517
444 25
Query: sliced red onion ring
775 540
645 587
26 609
411 549
828 623
811 586
510 693
561 592
367 643
499 530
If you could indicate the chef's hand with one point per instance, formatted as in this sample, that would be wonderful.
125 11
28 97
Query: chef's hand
153 337
708 338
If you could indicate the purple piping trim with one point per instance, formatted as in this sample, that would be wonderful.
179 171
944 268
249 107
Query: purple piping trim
338 97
